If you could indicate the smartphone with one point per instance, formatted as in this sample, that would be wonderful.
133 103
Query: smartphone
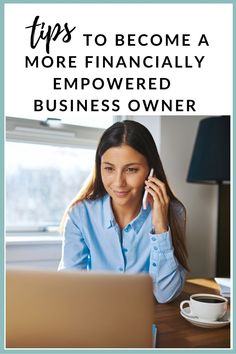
146 192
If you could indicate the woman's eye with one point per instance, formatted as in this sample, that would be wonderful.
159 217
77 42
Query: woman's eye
132 170
108 169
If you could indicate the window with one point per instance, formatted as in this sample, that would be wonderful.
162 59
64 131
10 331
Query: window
40 182
45 168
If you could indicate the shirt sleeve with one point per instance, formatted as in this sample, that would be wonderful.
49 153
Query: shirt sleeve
75 253
167 274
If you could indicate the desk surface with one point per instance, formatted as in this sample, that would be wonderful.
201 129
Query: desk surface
175 332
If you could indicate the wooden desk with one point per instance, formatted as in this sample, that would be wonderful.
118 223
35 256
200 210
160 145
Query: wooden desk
175 332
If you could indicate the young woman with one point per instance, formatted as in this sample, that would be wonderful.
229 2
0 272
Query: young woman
107 229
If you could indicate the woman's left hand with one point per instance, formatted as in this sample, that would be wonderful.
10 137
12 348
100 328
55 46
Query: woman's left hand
159 201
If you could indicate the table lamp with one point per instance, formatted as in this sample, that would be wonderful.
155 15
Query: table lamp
210 164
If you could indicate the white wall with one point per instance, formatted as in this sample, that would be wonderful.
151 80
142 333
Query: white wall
177 140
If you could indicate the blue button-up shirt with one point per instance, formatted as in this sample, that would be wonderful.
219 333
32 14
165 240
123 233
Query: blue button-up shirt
94 241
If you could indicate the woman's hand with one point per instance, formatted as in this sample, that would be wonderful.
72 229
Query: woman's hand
159 201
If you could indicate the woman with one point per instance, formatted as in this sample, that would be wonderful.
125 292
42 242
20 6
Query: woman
107 228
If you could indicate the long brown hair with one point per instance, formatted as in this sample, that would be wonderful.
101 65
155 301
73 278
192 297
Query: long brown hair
139 138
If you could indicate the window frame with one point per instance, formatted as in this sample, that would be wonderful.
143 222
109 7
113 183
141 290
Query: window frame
56 134
22 130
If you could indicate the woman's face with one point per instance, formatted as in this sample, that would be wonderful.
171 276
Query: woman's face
123 172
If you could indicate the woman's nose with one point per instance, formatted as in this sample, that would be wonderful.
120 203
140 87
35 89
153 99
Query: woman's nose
119 179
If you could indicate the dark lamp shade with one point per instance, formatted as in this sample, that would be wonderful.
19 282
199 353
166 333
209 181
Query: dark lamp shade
210 161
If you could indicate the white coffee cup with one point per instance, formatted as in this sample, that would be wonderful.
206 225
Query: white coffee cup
209 307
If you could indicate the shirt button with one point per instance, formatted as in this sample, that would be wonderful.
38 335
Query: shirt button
125 249
153 238
154 264
155 248
127 229
121 269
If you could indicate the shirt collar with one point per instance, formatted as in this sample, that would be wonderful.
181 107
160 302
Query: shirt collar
108 212
110 221
137 223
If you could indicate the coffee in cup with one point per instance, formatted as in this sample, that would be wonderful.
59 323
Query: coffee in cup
209 307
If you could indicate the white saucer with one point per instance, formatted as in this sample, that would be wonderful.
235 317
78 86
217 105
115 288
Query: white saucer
224 321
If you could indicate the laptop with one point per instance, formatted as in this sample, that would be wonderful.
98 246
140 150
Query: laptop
47 309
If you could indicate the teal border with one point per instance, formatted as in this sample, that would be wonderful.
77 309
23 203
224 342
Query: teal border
2 137
119 2
233 213
1 171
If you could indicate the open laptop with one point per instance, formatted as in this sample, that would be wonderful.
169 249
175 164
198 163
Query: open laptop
46 309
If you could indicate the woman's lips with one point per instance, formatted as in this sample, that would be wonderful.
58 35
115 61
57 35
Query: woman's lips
121 193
